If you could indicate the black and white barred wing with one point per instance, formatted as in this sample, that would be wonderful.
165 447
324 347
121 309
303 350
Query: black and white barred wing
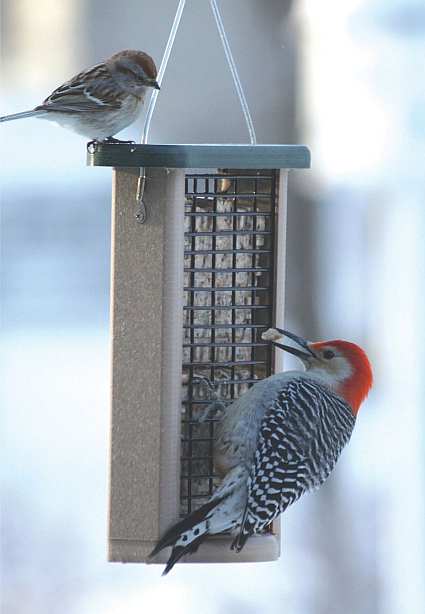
300 439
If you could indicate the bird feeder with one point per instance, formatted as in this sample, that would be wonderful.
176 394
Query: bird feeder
192 290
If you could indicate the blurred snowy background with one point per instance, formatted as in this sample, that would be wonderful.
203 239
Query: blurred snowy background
342 77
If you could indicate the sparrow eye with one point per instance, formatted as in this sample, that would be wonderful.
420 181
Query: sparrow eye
129 72
328 354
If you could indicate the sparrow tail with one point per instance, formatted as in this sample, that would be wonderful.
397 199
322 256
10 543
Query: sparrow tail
9 118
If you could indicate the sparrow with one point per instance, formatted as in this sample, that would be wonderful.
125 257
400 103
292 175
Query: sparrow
102 100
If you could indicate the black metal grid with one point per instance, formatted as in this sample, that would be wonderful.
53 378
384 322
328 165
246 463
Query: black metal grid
229 297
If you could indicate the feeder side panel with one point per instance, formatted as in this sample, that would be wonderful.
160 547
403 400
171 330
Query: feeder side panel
141 382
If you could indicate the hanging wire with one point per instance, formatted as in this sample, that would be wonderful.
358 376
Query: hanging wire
234 71
162 69
141 210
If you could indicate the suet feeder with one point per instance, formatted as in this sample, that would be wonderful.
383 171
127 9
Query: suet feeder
192 290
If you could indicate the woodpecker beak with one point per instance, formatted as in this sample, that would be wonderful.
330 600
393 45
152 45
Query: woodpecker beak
295 351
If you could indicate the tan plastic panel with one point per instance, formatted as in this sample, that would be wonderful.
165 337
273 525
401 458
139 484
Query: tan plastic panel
146 313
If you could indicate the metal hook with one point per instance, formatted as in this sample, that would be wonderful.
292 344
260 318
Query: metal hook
141 211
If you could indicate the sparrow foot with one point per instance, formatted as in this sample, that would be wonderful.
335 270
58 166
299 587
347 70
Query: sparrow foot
110 140
92 146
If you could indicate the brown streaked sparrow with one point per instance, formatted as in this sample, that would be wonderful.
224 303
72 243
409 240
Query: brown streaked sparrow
102 100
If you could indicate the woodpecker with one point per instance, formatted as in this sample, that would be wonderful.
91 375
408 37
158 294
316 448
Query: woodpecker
277 441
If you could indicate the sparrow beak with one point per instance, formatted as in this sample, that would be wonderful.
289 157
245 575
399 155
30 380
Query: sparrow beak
303 355
155 85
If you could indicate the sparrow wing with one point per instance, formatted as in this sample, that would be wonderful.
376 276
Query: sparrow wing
90 90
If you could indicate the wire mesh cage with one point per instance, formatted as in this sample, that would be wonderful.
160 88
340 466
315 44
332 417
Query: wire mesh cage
228 303
192 291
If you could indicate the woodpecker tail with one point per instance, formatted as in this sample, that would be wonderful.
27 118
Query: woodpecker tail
222 512
186 535
9 118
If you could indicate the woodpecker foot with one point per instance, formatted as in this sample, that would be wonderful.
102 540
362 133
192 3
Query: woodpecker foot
214 411
205 381
238 543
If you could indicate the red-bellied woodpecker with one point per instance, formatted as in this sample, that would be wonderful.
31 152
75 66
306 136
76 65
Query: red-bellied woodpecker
279 440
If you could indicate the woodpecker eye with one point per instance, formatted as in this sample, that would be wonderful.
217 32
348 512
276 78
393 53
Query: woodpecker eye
328 354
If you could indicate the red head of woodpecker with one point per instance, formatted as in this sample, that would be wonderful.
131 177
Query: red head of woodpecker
342 365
